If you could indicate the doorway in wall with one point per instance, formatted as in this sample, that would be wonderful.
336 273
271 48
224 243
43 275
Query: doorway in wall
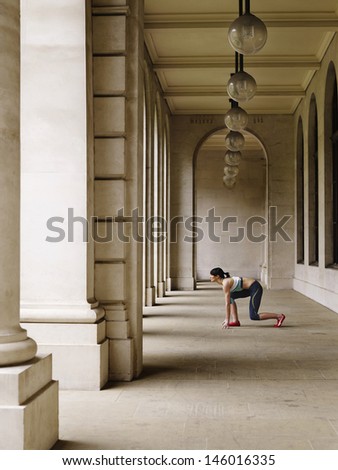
232 221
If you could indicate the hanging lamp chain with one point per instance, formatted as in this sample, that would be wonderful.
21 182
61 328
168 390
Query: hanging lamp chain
247 6
236 61
241 62
240 7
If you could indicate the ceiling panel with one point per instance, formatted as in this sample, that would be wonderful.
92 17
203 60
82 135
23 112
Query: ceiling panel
187 43
217 105
209 77
218 6
214 42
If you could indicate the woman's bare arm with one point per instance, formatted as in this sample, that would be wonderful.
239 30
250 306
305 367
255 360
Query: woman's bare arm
226 289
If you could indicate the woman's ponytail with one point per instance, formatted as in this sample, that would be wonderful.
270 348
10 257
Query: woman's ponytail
219 272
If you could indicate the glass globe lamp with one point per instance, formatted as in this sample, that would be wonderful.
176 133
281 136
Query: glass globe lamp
231 171
232 158
229 181
241 86
234 141
247 34
236 119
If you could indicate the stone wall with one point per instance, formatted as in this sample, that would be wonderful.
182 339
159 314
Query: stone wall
319 282
237 246
276 136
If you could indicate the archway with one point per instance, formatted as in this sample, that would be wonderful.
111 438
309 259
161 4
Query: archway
331 167
232 222
313 185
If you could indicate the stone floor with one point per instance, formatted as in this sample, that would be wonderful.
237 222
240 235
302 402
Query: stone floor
253 387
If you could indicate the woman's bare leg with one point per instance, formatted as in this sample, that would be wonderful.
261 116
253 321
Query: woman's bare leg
272 316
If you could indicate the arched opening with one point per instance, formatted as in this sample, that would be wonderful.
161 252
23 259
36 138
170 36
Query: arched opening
331 168
232 223
313 184
335 174
300 192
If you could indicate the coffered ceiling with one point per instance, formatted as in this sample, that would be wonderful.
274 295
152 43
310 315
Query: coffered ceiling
187 43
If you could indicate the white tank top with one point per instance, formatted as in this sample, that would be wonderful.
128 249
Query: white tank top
237 285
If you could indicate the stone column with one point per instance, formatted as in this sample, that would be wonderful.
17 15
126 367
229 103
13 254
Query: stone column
15 347
167 208
160 209
150 291
58 303
28 395
118 129
149 205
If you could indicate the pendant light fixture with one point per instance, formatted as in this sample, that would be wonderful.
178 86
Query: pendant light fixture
241 86
231 171
236 118
229 181
234 141
247 34
232 158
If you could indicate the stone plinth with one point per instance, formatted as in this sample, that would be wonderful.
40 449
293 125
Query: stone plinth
80 352
28 406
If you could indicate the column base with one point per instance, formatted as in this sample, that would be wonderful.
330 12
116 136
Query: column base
168 284
80 352
58 313
121 346
150 296
28 406
121 366
18 352
161 289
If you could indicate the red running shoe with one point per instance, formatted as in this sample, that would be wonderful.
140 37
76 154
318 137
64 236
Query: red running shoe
234 323
280 321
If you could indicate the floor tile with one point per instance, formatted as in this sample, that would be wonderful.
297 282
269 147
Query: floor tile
252 387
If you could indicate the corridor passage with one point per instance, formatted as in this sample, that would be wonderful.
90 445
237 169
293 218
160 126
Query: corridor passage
253 387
